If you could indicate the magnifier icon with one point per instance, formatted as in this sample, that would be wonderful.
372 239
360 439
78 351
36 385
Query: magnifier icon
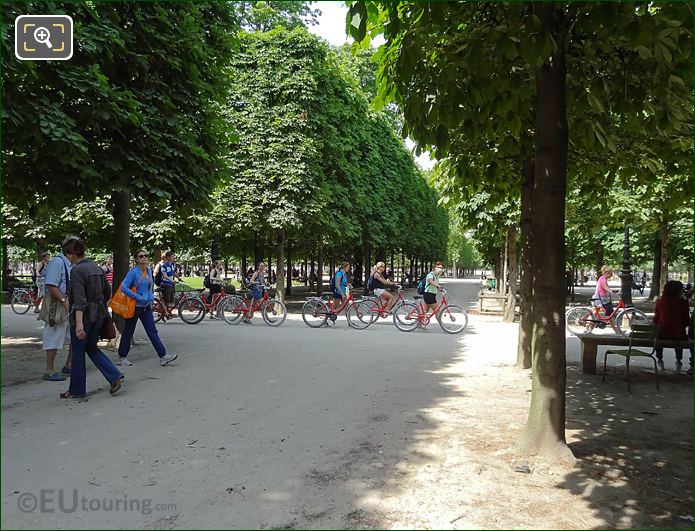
42 35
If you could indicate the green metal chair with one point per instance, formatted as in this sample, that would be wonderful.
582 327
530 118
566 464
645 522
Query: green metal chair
639 331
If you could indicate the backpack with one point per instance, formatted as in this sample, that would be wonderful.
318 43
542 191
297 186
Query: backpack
421 285
206 281
370 282
158 276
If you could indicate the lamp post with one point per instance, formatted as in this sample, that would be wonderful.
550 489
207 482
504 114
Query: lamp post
626 271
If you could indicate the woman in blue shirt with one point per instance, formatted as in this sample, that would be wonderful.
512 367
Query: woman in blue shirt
138 284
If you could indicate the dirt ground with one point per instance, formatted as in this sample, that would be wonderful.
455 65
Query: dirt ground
422 437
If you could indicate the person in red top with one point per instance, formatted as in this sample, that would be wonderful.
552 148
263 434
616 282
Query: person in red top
673 317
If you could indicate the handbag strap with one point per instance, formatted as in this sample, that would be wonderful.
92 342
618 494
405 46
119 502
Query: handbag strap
143 276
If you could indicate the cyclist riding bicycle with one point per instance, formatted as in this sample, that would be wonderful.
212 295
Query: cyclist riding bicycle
381 285
602 294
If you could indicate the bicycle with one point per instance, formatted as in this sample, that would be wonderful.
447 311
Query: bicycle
452 318
23 299
192 310
316 312
235 308
378 305
162 311
584 319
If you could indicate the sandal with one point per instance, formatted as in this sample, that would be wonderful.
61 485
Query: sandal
116 386
68 394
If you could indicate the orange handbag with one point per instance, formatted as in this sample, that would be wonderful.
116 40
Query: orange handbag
123 305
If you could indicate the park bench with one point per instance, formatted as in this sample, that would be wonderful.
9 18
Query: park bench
589 346
491 302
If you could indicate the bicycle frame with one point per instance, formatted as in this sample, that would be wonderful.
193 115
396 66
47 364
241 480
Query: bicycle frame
251 307
422 312
381 304
217 297
599 310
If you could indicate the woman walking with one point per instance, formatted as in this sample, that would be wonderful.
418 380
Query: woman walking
138 284
88 293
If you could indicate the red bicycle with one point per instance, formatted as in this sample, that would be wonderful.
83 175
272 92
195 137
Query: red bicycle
23 299
452 318
316 312
237 307
192 309
584 320
378 305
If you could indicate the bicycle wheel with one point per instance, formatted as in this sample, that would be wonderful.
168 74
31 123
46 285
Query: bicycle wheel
373 303
628 317
315 313
21 302
191 311
579 320
274 312
232 309
359 315
157 310
407 316
453 319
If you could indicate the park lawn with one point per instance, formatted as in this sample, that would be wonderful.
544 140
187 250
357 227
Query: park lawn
197 283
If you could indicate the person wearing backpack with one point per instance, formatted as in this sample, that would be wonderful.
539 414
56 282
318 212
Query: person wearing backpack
138 284
256 283
339 285
432 286
164 276
379 283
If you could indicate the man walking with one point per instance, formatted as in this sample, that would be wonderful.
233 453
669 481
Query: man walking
55 311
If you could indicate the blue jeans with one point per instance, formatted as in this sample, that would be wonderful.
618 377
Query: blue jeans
147 319
78 376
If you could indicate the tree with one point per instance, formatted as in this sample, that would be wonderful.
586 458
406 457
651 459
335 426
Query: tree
432 67
136 111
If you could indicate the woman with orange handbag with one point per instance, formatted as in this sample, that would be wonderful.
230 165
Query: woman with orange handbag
138 285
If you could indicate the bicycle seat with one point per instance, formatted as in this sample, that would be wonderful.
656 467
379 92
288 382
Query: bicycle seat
158 290
417 297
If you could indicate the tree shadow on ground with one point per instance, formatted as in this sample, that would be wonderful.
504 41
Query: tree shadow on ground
634 450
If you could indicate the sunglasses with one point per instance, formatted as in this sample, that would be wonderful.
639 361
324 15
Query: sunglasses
142 256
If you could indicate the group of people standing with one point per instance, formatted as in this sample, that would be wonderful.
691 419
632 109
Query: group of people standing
76 295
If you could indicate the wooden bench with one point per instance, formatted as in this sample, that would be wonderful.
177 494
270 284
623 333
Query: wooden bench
590 342
491 301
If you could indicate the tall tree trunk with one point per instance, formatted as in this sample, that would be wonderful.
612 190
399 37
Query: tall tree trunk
392 267
305 272
121 242
505 264
598 257
663 273
312 272
510 310
257 250
244 267
215 247
545 428
5 264
655 288
288 291
319 269
523 356
280 278
402 268
367 261
357 268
